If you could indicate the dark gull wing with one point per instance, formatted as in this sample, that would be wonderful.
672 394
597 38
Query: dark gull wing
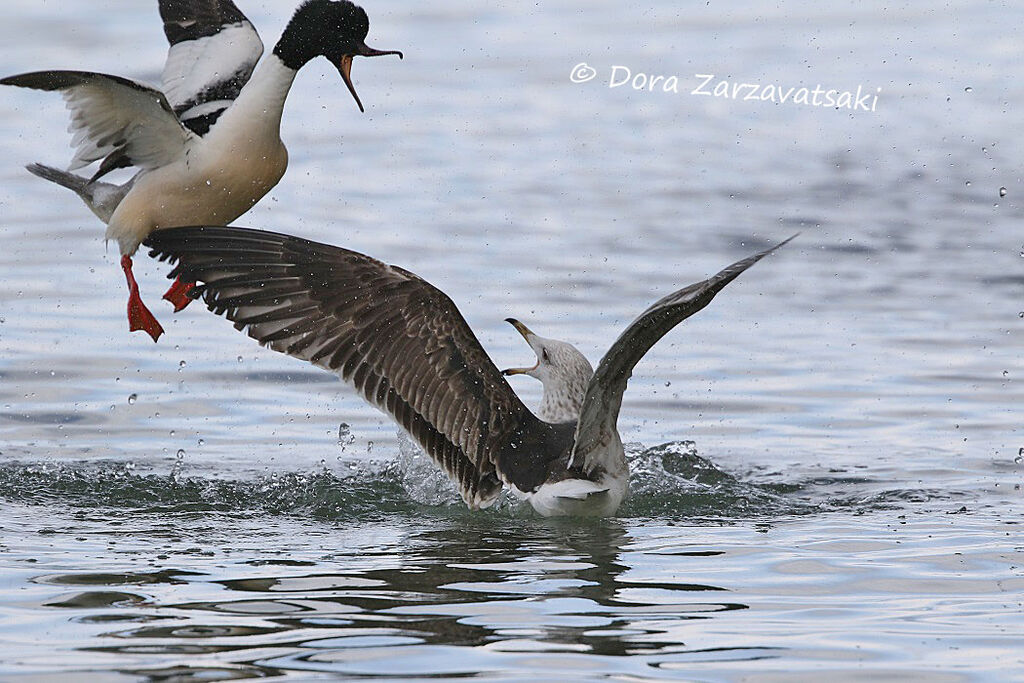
396 338
603 399
213 51
113 116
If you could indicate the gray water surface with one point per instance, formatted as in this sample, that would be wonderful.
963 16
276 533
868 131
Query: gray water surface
826 461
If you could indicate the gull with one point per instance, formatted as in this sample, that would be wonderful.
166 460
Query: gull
406 349
207 146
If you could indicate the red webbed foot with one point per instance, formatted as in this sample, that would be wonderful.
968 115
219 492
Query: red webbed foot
178 294
139 317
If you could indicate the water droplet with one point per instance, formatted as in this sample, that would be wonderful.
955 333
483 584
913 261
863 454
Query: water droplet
201 442
668 384
1006 373
239 359
181 364
1021 314
968 183
345 435
1002 191
1020 457
968 89
132 398
180 454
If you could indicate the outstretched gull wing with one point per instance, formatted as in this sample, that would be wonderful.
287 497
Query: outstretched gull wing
396 338
601 404
213 51
113 115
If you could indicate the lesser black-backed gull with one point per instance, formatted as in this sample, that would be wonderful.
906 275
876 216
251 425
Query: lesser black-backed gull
404 346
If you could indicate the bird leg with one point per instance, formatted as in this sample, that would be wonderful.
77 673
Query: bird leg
139 317
178 294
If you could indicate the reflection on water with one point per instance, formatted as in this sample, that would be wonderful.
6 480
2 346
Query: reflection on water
442 594
547 591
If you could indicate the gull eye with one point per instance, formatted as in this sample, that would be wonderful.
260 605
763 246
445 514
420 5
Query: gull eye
544 355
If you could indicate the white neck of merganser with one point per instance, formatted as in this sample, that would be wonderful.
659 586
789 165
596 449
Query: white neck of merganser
261 102
318 28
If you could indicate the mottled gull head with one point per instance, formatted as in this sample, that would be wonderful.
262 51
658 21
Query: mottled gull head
562 369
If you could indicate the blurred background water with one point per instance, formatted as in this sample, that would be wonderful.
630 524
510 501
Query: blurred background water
827 460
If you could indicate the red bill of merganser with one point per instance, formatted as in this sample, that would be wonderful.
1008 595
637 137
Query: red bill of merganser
208 145
404 346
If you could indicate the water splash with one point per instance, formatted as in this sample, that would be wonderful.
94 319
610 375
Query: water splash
672 480
669 481
112 485
420 477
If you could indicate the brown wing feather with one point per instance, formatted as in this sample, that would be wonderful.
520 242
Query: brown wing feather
397 339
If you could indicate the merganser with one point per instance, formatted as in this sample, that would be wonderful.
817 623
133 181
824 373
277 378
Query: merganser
404 346
208 145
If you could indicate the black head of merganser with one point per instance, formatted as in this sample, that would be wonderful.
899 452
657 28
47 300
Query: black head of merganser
335 29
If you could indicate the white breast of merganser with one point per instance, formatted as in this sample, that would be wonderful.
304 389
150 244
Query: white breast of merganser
220 176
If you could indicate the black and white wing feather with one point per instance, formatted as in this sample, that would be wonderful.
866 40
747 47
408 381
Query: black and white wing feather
213 51
396 338
601 404
113 116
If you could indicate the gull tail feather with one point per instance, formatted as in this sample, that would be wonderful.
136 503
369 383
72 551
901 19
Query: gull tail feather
573 497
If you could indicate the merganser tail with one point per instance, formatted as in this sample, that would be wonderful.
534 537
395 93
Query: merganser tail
101 198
